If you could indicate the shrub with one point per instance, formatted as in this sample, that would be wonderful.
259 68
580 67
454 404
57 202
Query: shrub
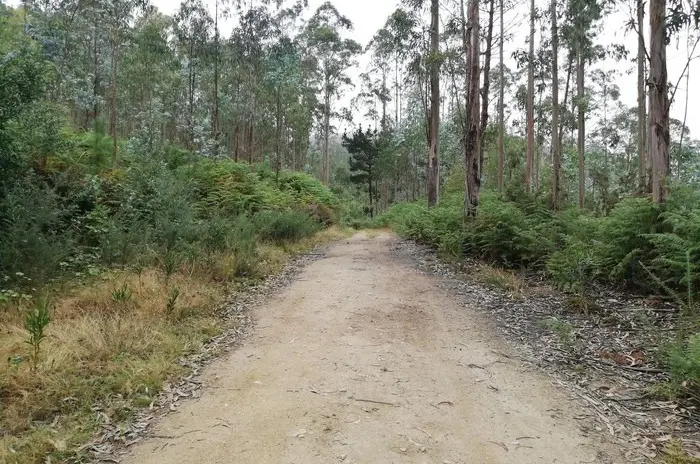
35 323
623 239
682 357
502 232
241 242
284 227
574 269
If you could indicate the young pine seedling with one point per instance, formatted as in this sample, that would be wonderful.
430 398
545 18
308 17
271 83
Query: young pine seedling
35 323
122 294
172 301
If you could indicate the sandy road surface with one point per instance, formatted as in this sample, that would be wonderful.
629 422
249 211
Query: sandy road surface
365 360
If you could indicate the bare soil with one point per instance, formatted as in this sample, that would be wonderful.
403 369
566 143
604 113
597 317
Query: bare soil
364 359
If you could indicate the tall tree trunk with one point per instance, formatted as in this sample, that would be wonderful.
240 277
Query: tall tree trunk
113 104
190 117
501 102
470 37
641 99
433 170
487 81
249 141
580 97
325 169
530 110
569 71
96 80
658 103
556 147
215 112
278 135
237 143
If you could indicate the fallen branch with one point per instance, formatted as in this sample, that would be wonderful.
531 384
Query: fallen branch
364 400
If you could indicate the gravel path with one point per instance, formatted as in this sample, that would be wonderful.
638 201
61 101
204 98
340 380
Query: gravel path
364 359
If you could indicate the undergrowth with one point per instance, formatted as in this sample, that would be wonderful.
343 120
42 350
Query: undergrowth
638 246
136 259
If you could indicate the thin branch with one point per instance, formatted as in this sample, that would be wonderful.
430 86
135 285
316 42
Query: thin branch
687 64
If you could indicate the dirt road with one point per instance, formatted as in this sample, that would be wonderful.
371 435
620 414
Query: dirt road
366 360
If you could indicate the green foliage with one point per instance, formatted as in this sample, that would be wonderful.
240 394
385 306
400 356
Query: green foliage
35 323
122 294
364 150
163 208
573 269
576 248
682 357
172 301
285 226
676 454
241 240
563 330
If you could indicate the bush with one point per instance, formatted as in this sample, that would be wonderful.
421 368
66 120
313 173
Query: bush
576 248
682 358
284 227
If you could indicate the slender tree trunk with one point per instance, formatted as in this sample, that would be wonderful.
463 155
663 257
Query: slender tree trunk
658 103
433 169
236 143
685 119
606 169
487 82
641 99
530 110
113 104
249 141
325 170
470 37
190 118
96 80
580 97
384 102
278 136
501 102
556 147
569 71
215 112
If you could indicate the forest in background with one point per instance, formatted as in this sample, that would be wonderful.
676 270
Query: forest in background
149 161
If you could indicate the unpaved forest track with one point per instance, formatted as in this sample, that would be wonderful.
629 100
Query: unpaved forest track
366 360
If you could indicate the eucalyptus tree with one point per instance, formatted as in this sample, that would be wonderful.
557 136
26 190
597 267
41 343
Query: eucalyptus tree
401 26
333 55
501 99
472 135
578 32
530 101
193 30
121 14
434 59
555 140
487 79
659 131
150 93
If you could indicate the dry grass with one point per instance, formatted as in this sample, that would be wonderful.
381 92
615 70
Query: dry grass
372 233
97 351
506 280
110 353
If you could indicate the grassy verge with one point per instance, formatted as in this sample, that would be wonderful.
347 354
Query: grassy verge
111 343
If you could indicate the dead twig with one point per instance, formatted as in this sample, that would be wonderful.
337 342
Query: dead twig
365 400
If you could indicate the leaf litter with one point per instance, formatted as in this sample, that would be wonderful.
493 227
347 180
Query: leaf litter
113 440
604 359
